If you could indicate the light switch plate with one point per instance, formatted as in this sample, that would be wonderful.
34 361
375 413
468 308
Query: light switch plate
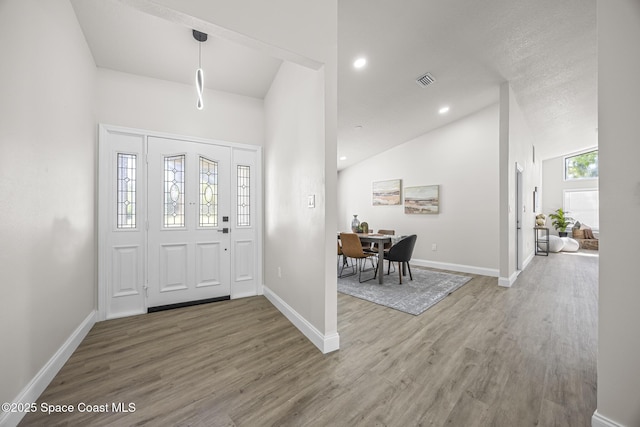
311 201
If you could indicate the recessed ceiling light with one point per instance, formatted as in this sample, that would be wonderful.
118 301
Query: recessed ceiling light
443 110
358 127
360 62
343 158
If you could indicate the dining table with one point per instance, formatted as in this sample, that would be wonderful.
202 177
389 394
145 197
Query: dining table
380 239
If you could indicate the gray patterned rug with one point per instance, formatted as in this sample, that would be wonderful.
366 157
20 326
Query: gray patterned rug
413 296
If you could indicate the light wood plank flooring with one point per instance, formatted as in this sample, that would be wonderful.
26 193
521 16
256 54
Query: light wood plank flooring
484 356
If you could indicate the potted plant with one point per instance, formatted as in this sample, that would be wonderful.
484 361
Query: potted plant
561 221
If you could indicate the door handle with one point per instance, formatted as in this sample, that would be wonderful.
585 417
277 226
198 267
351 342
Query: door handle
224 230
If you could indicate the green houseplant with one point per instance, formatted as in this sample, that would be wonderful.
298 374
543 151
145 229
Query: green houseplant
561 221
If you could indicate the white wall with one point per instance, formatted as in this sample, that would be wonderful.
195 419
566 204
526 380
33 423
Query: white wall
462 158
294 169
554 185
158 105
619 151
516 147
47 167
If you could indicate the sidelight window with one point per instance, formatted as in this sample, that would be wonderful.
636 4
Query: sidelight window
244 196
126 191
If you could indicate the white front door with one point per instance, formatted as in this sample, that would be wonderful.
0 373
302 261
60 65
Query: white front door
188 192
179 221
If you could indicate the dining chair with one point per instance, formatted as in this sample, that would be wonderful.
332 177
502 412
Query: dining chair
352 248
344 259
368 246
386 245
401 253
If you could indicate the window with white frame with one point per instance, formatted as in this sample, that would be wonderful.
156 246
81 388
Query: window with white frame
581 166
582 205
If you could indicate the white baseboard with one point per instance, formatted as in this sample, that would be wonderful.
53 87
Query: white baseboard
326 343
39 383
599 420
507 282
528 260
461 268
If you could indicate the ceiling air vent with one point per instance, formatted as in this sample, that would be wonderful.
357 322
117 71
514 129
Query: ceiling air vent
425 80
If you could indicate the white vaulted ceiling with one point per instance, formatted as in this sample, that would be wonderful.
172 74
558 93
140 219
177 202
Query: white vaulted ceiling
126 39
546 49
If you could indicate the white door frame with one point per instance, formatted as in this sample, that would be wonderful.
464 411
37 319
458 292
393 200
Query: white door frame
519 216
246 242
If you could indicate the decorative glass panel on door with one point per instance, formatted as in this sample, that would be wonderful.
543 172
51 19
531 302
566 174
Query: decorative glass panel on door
174 191
208 216
126 191
244 196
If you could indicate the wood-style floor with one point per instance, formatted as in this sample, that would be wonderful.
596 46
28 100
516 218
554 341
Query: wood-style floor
484 356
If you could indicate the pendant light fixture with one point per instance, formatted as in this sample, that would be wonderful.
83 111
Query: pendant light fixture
200 37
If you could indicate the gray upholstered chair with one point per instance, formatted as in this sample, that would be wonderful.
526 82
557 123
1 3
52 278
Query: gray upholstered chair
401 253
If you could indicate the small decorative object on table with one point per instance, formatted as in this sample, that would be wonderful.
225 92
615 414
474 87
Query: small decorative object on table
541 219
355 224
364 226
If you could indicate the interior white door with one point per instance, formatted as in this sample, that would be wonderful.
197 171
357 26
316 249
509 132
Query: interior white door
188 212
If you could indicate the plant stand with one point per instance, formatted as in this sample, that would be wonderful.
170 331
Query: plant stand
541 240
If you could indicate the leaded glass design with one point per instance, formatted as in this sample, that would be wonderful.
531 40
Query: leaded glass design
244 205
174 191
208 193
126 197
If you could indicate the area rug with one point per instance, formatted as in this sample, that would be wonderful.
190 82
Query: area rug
414 296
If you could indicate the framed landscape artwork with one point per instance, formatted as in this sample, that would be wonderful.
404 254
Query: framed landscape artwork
386 193
422 200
